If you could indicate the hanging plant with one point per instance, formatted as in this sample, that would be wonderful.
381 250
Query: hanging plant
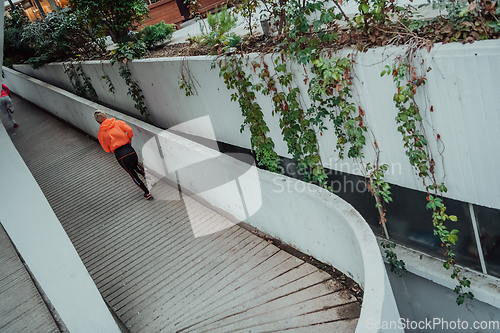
235 78
80 82
415 142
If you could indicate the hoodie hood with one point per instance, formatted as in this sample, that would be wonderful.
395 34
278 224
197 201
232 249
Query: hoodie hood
108 124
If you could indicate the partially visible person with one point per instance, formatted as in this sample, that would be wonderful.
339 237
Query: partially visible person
115 137
6 104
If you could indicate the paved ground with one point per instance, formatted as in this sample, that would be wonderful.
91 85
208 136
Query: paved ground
145 260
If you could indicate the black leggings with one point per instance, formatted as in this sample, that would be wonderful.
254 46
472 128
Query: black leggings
127 157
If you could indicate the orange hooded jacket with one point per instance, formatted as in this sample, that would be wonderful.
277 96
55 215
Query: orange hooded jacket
113 134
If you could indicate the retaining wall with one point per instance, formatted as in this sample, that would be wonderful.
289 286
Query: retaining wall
460 91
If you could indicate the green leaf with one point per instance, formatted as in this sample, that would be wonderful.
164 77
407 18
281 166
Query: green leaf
453 218
364 8
452 239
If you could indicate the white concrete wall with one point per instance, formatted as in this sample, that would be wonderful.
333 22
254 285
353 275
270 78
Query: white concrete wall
44 245
460 88
316 222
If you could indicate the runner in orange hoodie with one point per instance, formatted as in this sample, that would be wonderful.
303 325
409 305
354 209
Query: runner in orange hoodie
115 137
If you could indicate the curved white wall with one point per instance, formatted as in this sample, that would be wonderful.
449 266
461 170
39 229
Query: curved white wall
315 221
460 88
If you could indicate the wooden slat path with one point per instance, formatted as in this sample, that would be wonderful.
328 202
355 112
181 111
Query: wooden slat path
148 265
21 306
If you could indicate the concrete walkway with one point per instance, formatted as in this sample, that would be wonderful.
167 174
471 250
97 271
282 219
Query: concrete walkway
145 260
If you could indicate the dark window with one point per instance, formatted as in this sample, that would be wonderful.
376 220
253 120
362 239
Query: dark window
410 223
489 234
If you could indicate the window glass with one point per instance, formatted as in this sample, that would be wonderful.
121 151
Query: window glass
488 220
410 223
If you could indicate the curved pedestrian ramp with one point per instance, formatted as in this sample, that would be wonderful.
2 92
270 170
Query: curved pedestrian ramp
147 263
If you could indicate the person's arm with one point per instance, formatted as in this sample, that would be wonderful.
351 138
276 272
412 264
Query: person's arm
4 87
126 128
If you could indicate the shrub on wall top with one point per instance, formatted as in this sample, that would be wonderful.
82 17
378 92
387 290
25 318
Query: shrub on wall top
153 35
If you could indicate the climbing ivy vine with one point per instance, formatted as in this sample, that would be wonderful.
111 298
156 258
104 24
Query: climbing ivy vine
134 90
123 54
330 92
80 82
415 142
295 124
235 78
187 81
111 87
